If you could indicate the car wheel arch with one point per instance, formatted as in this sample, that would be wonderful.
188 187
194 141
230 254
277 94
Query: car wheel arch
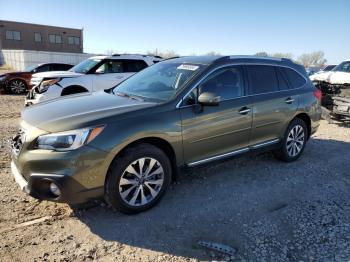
307 120
161 143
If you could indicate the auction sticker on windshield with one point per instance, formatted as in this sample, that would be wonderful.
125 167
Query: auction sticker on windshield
188 67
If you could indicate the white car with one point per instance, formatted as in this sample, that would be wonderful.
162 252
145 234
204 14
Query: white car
338 75
93 74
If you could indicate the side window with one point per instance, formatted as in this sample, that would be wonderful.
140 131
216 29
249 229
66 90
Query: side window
43 68
64 67
282 82
295 80
111 66
226 83
134 65
262 79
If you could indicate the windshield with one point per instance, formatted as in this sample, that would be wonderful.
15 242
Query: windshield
343 67
30 68
159 82
85 66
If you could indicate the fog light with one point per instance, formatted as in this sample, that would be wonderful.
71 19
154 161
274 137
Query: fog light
55 190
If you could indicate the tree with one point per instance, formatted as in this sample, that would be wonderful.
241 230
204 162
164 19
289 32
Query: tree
264 54
313 59
282 55
212 53
163 54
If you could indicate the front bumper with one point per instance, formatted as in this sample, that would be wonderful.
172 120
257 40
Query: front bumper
78 176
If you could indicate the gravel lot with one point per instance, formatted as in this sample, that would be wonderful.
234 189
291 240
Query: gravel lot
265 209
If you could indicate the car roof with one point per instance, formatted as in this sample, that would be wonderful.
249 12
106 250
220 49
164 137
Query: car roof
232 58
126 56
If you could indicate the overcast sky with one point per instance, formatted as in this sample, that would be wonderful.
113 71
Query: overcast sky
187 27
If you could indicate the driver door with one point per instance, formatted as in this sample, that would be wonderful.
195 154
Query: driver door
216 131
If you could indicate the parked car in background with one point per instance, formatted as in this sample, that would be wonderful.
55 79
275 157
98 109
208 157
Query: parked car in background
327 68
93 74
128 143
312 70
19 82
335 87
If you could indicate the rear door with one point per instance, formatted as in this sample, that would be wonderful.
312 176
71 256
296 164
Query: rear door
212 131
274 104
112 72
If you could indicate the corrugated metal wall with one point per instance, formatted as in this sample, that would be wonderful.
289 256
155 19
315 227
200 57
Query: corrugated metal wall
21 59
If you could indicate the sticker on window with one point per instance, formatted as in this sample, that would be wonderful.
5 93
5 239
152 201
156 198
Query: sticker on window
188 67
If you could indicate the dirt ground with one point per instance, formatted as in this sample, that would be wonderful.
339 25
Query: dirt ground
264 209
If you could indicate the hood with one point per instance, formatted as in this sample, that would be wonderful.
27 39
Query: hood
53 74
79 111
333 77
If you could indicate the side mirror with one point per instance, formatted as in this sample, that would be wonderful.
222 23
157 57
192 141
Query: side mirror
209 99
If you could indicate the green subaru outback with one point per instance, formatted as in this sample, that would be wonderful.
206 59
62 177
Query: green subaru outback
127 143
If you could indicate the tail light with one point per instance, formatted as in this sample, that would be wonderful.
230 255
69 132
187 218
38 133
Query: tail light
318 94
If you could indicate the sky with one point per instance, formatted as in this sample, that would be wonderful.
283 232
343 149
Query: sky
187 27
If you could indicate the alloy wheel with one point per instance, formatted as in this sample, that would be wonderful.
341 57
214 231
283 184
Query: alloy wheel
295 140
141 181
17 87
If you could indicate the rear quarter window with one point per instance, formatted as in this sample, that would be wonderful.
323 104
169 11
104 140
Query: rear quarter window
295 80
134 65
262 79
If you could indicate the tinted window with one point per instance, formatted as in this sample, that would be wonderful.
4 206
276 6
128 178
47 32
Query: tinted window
262 79
282 82
134 65
121 66
63 67
295 79
43 68
226 83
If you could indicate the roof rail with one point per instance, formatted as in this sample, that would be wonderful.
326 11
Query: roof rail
156 56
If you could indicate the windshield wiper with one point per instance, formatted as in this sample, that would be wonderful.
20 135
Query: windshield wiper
128 96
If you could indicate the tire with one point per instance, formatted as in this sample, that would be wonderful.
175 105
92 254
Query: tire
17 87
292 146
126 187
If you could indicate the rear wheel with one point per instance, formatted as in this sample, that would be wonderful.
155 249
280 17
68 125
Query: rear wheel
138 179
294 141
17 87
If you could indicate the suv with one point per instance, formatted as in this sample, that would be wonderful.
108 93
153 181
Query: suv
93 74
19 82
127 143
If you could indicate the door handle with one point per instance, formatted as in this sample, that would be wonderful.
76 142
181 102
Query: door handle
289 100
244 110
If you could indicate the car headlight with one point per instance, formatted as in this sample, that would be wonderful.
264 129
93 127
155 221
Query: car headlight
47 83
68 140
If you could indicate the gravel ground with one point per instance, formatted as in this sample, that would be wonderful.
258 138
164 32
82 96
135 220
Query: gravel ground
264 209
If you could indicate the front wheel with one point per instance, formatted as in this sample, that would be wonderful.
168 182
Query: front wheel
137 179
293 142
